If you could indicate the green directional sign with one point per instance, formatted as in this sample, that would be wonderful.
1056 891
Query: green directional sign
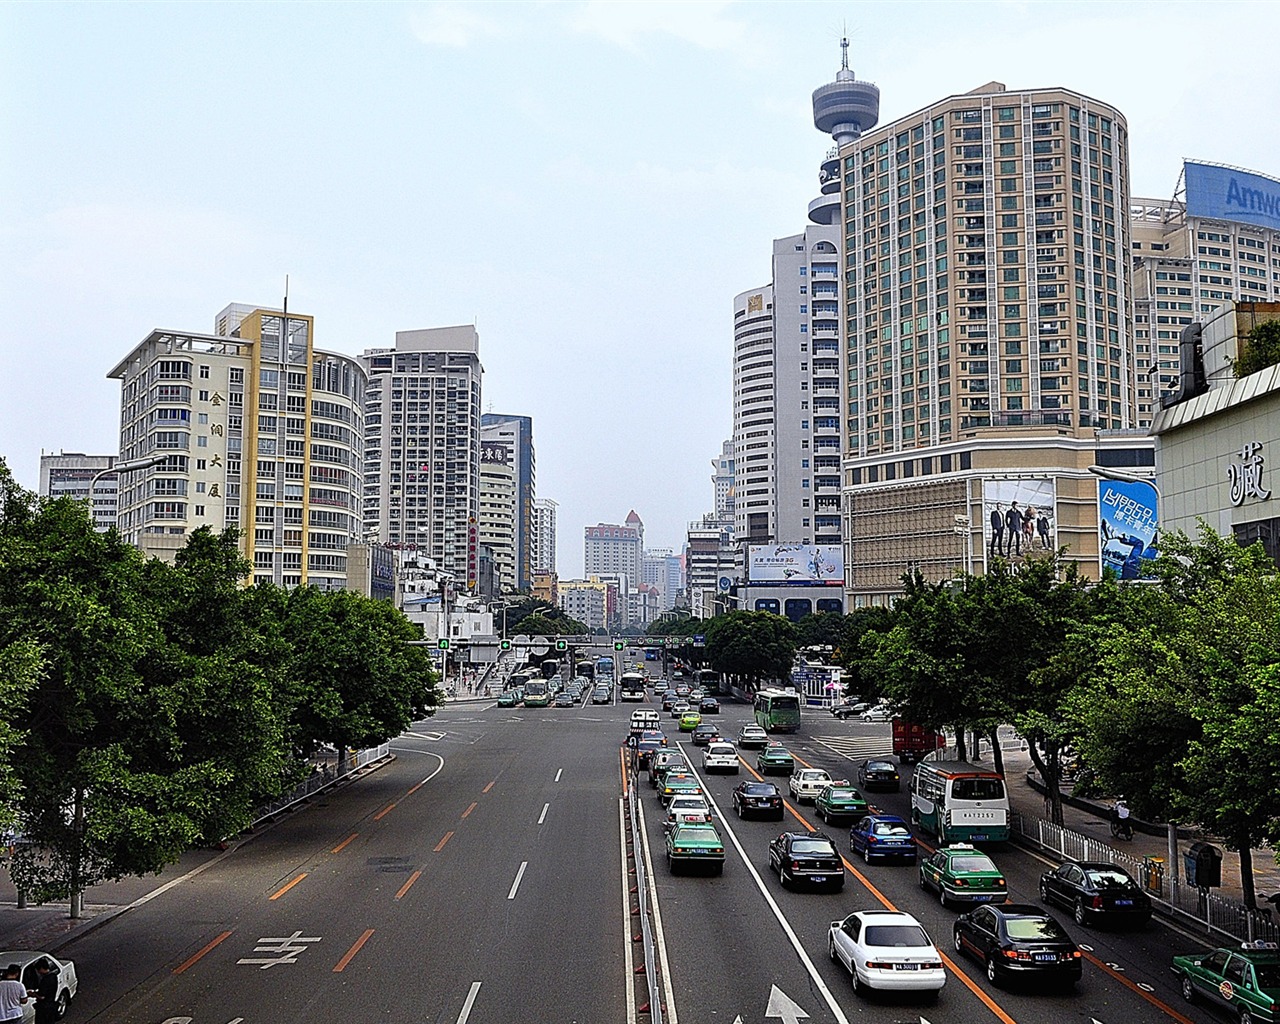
504 645
562 645
442 644
618 645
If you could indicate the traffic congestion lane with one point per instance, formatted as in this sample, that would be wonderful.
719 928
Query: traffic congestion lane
354 943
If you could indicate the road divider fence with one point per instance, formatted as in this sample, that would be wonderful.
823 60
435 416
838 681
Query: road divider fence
321 779
652 979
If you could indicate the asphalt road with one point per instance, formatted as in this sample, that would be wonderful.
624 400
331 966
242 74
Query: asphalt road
481 877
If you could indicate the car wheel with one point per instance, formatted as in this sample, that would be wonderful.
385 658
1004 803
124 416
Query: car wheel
738 810
942 894
1188 990
1246 1015
866 853
859 989
719 869
955 938
60 1006
1044 892
1080 913
923 884
991 971
831 948
782 876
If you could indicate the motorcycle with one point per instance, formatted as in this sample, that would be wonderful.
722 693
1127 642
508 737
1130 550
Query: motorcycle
1121 828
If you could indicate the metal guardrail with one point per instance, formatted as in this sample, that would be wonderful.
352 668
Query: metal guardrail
1216 914
320 780
646 931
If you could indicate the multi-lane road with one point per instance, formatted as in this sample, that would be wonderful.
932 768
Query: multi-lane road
483 876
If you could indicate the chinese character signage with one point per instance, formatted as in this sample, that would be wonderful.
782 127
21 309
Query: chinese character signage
795 565
1127 523
1245 473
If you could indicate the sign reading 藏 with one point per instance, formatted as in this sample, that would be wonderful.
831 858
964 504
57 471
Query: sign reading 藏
1245 474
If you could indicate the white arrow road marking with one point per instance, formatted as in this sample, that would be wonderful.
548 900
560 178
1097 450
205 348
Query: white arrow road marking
782 1005
470 1002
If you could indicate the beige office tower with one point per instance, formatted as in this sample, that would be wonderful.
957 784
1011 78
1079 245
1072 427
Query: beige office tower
263 432
987 341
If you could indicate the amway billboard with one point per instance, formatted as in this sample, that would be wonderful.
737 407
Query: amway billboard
1224 193
796 565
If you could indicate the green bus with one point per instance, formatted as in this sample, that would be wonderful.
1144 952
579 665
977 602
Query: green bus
960 803
778 710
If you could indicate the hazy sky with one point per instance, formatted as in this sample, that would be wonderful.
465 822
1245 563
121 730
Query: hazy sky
589 183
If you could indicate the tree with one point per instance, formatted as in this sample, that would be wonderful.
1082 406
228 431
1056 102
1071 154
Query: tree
21 664
751 645
825 629
546 625
1261 348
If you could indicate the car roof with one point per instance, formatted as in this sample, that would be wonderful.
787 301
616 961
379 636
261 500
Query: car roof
887 819
1018 910
880 915
810 835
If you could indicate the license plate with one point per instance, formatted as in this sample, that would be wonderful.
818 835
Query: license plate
1046 956
818 878
979 835
1124 903
906 967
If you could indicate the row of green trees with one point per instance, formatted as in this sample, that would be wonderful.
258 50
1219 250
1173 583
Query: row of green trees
146 708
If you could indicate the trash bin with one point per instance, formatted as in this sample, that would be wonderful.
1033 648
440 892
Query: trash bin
1153 875
1203 863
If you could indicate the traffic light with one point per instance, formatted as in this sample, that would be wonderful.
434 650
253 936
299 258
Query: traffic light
562 645
442 644
618 645
504 645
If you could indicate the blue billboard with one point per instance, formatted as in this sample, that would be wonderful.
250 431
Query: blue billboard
1225 193
1127 524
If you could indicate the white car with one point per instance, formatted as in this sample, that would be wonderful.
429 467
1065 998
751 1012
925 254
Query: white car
679 708
807 783
686 810
879 713
28 960
884 949
753 736
720 755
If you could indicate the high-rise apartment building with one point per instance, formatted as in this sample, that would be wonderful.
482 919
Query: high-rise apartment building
263 432
987 334
543 539
722 481
592 602
662 570
72 474
422 446
711 566
498 501
517 432
612 550
1216 240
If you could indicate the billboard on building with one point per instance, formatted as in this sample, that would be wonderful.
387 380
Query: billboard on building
799 565
1225 193
1019 517
1127 526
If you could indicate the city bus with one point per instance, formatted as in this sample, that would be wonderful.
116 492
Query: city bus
631 686
604 670
537 694
777 710
959 802
550 667
706 681
586 670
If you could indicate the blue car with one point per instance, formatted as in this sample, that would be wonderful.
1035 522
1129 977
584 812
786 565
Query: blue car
880 836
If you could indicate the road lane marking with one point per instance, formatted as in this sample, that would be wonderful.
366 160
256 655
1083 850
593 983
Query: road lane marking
438 770
470 1002
405 888
468 811
629 985
543 816
488 787
191 960
659 935
341 965
385 811
516 884
1119 976
622 757
284 889
343 845
559 772
440 845
787 930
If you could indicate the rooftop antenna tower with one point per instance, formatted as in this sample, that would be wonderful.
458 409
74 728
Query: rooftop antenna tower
843 109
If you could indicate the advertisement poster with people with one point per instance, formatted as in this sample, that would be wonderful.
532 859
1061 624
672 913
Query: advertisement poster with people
1127 525
1019 517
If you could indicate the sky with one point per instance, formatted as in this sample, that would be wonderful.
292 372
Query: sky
588 183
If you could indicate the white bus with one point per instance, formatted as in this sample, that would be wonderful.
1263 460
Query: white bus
960 803
631 686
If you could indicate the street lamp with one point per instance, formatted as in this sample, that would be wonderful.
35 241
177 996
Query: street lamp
118 468
1107 473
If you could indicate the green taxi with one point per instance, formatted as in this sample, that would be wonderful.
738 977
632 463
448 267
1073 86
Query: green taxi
689 721
678 783
839 800
507 699
695 844
1243 980
962 874
775 759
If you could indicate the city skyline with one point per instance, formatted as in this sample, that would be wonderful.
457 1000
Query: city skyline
409 191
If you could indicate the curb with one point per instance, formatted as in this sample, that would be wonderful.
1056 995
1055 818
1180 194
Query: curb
1103 812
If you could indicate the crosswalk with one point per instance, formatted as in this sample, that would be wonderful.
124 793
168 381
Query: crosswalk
856 748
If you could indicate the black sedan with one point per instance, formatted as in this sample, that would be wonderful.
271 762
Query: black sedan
1018 940
810 858
757 798
669 700
704 734
709 706
876 774
1096 890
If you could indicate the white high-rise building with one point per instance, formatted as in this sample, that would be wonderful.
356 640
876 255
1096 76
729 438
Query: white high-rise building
498 503
722 480
663 571
544 535
70 474
422 447
613 550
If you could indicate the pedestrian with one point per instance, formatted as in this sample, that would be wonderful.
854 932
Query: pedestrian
997 531
13 995
1013 523
46 993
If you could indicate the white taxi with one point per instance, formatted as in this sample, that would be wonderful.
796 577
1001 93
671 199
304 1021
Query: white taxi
720 756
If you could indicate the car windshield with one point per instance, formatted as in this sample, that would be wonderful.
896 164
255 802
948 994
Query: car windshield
688 803
697 835
1033 928
1109 878
896 935
752 730
972 862
820 846
814 776
977 789
720 748
1268 975
888 828
880 766
761 789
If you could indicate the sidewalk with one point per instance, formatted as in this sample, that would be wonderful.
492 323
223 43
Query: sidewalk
1029 802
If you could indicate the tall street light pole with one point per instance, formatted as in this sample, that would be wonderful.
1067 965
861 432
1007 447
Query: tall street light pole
119 468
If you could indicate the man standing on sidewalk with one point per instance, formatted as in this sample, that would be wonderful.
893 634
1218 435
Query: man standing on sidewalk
46 993
13 996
